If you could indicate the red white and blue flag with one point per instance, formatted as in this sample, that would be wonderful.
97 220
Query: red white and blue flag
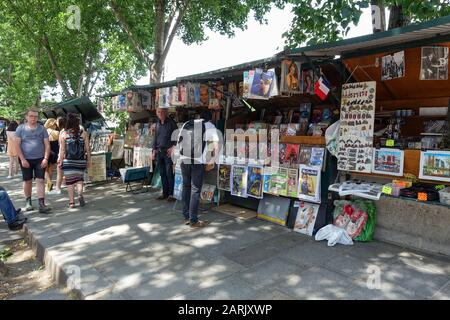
322 88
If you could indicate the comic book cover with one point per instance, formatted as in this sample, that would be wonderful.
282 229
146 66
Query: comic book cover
278 182
291 155
306 218
207 192
267 173
316 158
304 155
255 181
223 181
239 181
178 184
282 152
309 183
292 183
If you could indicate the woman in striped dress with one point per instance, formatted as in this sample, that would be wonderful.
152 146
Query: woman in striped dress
74 157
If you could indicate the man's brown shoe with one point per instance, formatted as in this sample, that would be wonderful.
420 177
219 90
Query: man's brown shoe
161 198
187 222
171 199
199 224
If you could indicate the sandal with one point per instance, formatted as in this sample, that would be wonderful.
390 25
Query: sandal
71 205
81 201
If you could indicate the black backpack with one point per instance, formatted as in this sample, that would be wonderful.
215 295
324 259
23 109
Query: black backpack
195 144
75 148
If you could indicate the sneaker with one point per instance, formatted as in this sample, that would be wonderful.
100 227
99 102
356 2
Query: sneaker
29 207
81 201
53 192
171 199
187 222
9 177
16 225
199 224
45 209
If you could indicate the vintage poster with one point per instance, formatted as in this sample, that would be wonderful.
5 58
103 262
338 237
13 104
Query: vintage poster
393 66
306 218
356 127
290 76
262 83
97 172
309 183
128 156
292 182
316 158
308 81
204 95
178 184
278 182
267 174
146 157
434 63
137 157
388 161
435 165
163 95
117 149
193 94
207 193
223 180
239 181
255 181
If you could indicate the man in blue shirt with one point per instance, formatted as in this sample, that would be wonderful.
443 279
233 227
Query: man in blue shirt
163 147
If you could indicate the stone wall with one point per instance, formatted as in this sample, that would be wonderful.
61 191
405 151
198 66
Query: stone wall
413 224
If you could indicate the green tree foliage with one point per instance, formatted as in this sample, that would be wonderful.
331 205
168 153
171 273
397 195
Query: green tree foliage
319 21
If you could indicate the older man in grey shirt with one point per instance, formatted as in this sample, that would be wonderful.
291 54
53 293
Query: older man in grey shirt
33 149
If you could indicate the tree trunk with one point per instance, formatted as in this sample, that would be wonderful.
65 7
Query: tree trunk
397 18
378 16
156 70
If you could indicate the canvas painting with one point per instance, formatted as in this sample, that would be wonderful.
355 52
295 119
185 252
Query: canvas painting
223 181
434 63
255 181
306 218
435 165
239 181
388 161
393 66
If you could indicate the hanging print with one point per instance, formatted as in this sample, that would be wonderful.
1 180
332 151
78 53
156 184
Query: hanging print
434 64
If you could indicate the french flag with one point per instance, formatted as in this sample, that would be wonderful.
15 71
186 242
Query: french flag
322 88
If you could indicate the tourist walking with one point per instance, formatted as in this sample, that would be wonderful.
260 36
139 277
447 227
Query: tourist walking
33 150
61 124
11 152
53 137
74 158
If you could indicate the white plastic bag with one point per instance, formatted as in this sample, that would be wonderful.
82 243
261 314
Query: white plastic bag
334 235
332 137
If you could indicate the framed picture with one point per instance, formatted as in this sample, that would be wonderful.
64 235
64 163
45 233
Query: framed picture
434 63
435 165
388 161
393 66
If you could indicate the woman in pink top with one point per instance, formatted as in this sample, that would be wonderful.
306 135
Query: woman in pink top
12 153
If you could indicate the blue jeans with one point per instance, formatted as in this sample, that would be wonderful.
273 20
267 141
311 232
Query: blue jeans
7 207
165 165
192 186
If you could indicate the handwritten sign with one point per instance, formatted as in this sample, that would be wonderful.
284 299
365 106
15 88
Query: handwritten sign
390 143
387 190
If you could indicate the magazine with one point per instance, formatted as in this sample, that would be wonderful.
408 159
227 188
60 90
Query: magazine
255 181
316 158
207 193
306 218
291 155
223 181
262 83
267 174
309 183
278 182
292 183
304 155
239 181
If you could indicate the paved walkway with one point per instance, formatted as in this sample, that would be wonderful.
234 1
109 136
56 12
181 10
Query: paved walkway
127 246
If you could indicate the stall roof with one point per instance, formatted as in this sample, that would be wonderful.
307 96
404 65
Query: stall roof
436 30
83 106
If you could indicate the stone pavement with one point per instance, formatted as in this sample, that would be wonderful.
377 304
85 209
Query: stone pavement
123 246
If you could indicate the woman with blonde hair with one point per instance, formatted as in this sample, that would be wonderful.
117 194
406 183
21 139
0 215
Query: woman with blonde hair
12 153
53 137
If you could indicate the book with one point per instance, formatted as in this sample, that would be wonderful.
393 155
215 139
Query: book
255 181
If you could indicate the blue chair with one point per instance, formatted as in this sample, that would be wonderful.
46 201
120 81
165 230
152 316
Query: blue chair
133 175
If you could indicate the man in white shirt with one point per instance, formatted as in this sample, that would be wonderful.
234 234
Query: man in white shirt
199 151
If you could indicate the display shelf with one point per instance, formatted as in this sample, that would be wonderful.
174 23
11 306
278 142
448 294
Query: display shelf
312 140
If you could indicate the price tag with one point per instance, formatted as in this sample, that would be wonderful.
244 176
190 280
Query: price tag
422 196
440 187
390 143
387 190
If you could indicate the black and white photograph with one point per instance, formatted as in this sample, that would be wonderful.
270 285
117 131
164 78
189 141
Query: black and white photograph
434 63
393 66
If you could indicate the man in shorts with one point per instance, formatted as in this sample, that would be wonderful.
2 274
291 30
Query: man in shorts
33 149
